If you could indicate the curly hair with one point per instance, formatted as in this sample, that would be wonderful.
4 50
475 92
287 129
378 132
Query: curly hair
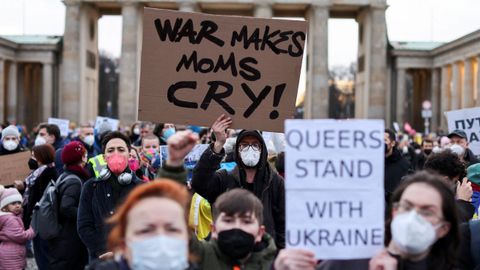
445 163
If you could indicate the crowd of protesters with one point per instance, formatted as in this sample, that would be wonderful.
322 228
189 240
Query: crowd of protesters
120 206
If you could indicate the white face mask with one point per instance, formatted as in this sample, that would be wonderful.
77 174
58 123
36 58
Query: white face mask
89 140
159 253
10 145
250 157
40 140
136 131
405 150
411 233
457 149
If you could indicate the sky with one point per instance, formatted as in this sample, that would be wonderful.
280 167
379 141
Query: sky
407 20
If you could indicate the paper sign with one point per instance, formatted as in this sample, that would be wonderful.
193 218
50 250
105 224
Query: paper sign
467 120
62 124
196 67
334 187
190 160
14 167
112 122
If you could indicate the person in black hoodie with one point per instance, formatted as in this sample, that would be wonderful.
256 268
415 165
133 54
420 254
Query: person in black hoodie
10 142
396 166
67 250
252 172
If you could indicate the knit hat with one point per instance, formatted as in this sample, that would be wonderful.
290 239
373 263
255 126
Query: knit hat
473 173
73 153
10 131
8 196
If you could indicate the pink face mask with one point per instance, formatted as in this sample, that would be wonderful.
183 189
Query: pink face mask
134 164
117 163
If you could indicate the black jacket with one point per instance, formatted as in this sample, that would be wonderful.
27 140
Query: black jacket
4 151
98 202
470 158
36 193
67 250
268 186
396 167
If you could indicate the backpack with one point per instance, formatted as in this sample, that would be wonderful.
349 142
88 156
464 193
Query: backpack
45 216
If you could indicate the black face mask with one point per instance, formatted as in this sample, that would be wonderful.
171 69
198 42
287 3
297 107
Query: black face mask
236 243
427 151
32 164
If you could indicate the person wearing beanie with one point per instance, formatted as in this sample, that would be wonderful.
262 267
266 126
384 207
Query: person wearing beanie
67 250
10 142
13 236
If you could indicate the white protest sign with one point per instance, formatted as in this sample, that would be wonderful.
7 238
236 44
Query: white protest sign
112 122
467 120
334 188
62 125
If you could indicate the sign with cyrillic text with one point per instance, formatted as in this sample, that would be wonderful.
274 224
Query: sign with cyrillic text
113 123
467 120
196 67
334 187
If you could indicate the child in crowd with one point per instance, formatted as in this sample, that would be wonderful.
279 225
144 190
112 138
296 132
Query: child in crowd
12 234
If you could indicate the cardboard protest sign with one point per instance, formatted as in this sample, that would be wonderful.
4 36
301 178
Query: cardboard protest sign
14 167
467 120
62 124
112 122
334 187
197 66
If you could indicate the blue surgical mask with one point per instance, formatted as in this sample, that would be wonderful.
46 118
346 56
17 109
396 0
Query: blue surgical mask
159 253
168 133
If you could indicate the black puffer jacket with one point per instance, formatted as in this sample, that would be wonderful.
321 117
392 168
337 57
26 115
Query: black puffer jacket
396 167
268 186
98 202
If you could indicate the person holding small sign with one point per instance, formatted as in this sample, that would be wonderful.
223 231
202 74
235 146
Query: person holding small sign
252 172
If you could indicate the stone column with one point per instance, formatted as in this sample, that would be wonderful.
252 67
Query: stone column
455 87
47 91
129 62
70 90
377 63
478 82
444 97
263 9
401 96
435 99
467 95
12 93
187 6
316 96
2 89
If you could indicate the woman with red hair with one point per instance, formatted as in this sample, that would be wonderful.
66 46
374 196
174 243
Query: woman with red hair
150 229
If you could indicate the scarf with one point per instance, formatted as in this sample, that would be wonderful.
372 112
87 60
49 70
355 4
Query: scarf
31 179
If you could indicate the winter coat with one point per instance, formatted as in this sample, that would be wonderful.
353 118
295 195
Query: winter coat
211 257
36 193
98 201
67 250
268 186
470 158
119 264
466 210
396 167
12 241
4 151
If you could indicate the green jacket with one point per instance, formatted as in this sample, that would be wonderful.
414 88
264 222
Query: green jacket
210 256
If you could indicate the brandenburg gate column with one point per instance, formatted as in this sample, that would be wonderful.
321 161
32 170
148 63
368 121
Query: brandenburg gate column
316 95
263 9
478 81
12 93
455 90
132 14
47 90
401 97
2 89
188 6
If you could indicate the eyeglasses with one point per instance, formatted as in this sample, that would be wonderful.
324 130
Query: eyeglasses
254 146
427 214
